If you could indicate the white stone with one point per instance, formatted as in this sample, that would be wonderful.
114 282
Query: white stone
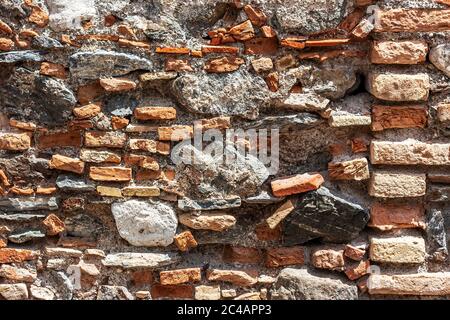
41 293
14 291
207 292
68 14
145 223
129 260
440 57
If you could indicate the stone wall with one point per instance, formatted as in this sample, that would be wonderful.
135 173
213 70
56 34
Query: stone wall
96 94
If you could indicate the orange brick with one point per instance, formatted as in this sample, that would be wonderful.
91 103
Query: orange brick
155 113
256 16
28 33
88 111
172 50
185 241
21 191
5 28
178 65
278 257
119 122
53 69
180 276
268 32
112 139
9 255
110 174
133 44
15 141
326 43
28 126
224 64
45 190
296 184
66 164
4 178
53 224
175 133
38 16
264 46
220 49
243 31
117 84
413 20
293 43
272 81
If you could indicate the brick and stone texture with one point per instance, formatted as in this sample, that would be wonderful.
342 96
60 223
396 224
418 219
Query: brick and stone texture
97 96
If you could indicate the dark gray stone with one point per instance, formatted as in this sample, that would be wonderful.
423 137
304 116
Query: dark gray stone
436 236
67 183
22 56
25 236
121 105
44 42
28 204
263 198
187 204
320 214
83 225
29 96
438 193
21 217
101 63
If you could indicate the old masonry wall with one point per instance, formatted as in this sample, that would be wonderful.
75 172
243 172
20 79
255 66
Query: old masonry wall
95 94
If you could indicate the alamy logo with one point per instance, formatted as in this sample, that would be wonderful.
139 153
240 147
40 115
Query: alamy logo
373 11
228 147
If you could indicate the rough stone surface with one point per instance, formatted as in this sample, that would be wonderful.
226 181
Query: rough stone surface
324 215
267 128
440 57
302 285
101 63
129 260
399 52
426 284
405 249
399 87
238 93
397 185
144 223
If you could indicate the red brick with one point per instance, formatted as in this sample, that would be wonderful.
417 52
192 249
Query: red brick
182 291
232 254
389 117
59 139
9 255
279 257
296 184
387 216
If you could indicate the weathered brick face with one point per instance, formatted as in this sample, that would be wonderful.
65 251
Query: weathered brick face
102 170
